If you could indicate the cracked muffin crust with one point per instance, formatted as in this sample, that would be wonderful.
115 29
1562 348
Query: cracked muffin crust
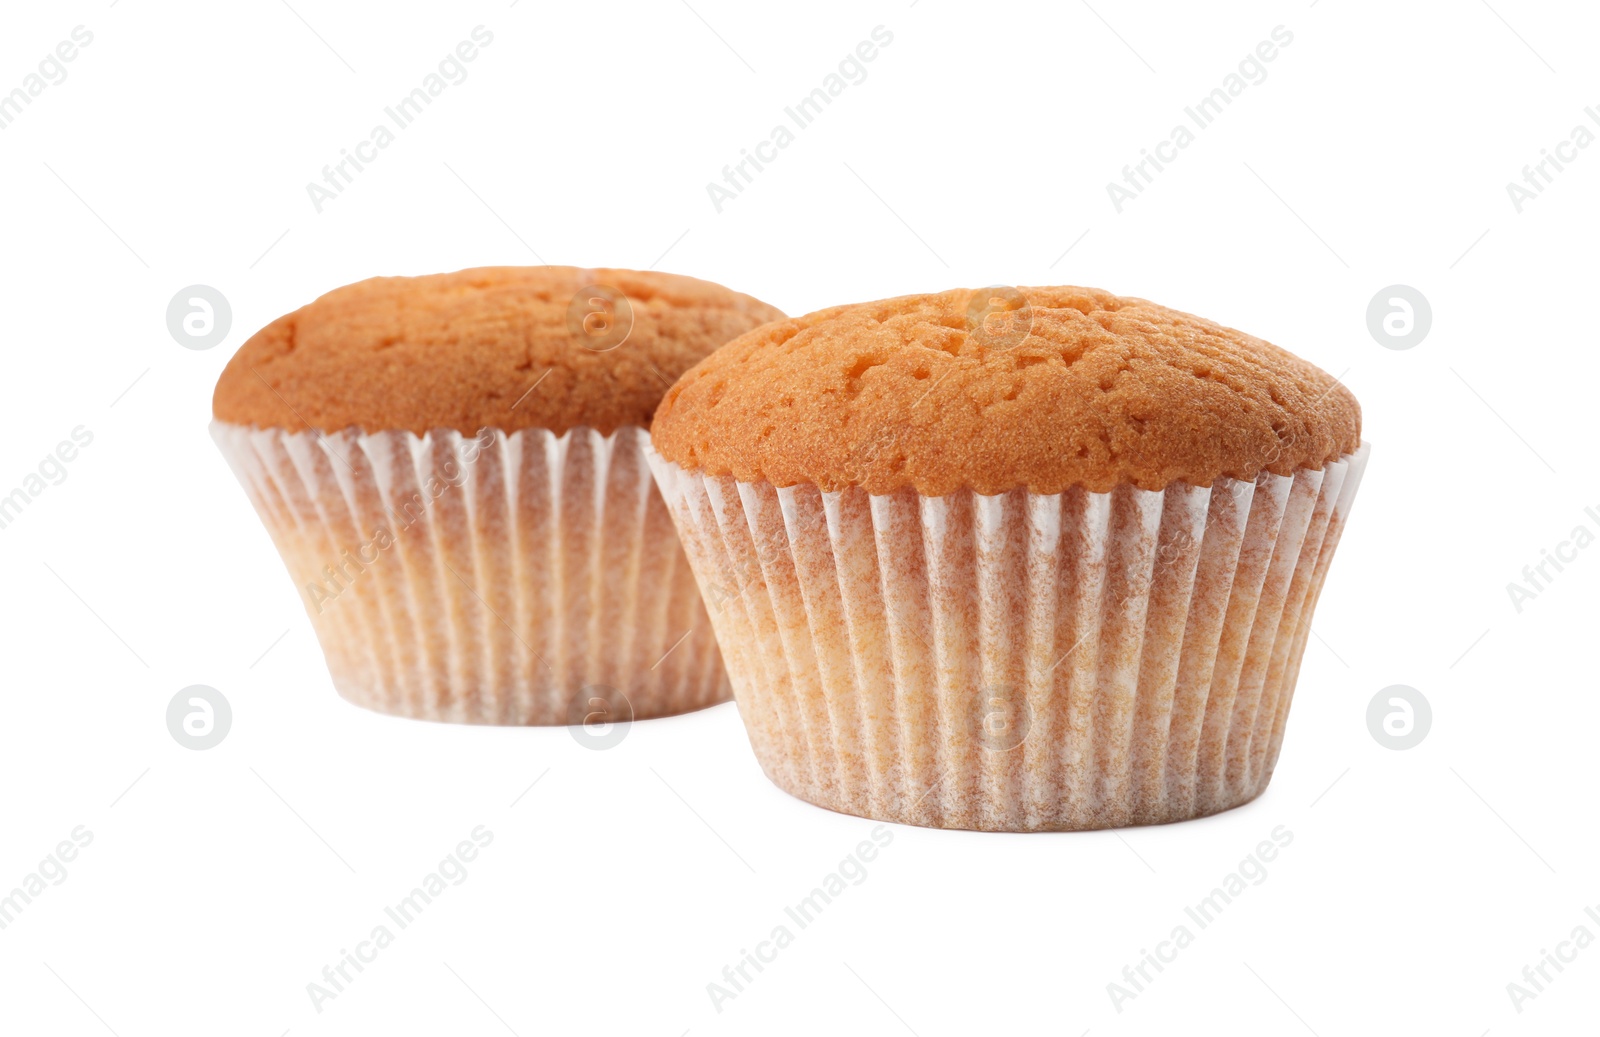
463 350
994 389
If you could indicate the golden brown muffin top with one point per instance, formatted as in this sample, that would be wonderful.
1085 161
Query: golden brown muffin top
502 347
993 389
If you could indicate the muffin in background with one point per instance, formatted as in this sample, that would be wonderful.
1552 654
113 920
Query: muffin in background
452 467
1010 559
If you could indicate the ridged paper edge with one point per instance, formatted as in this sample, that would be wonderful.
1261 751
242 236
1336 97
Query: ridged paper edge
1020 661
501 579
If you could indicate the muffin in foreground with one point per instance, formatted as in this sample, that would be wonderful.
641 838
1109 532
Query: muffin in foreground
453 470
1010 559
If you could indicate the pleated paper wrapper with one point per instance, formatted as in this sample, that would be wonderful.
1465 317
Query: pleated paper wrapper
526 578
1016 662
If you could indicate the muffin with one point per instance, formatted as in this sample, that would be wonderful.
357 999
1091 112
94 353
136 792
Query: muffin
1010 559
453 470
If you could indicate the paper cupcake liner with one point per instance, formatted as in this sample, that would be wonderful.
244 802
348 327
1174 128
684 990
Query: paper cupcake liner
505 579
1016 662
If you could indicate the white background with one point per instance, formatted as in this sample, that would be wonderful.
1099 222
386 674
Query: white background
219 883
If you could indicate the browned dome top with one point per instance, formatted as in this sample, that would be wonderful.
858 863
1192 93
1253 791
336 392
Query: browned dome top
994 389
502 347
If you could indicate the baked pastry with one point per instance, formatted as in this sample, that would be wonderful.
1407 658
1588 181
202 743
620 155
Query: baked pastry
452 468
1010 559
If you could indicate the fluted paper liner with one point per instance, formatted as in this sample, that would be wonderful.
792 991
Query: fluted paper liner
1016 662
502 579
